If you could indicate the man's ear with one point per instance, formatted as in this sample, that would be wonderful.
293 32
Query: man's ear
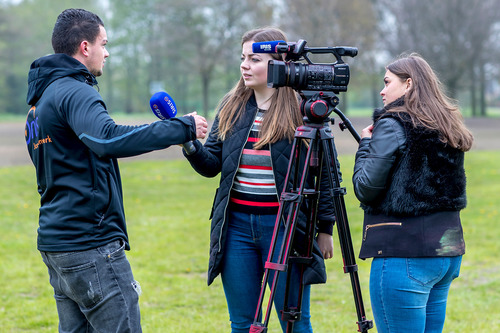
83 48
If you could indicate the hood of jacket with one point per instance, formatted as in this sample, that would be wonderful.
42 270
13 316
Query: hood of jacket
48 69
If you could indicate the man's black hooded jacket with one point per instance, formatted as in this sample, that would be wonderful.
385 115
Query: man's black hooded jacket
74 143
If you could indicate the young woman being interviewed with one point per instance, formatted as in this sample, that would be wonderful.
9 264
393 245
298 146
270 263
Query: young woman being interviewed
249 145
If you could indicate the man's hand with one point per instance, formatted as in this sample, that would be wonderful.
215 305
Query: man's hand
201 125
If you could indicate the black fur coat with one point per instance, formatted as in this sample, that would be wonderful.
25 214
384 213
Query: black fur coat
428 175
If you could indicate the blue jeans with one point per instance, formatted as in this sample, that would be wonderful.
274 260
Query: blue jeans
409 294
94 290
246 250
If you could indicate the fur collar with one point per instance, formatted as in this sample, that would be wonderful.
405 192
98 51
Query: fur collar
379 112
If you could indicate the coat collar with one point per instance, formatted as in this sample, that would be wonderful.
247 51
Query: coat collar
379 112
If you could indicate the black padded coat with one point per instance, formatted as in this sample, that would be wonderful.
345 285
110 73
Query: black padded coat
223 157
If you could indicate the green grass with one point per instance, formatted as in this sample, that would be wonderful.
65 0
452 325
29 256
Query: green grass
167 207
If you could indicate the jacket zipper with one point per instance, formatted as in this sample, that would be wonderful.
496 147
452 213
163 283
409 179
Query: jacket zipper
94 186
232 180
369 226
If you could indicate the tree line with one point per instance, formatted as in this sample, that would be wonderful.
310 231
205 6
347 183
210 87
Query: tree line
191 48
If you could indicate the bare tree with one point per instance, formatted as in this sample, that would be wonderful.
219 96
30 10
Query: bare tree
336 23
199 38
483 48
127 31
451 34
23 38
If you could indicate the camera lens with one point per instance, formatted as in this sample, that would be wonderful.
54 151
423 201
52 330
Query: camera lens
302 76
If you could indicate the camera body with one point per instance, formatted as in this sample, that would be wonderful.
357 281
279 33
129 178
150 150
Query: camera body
332 77
302 76
316 83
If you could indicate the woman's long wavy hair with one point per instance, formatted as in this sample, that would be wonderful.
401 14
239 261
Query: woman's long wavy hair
427 104
283 116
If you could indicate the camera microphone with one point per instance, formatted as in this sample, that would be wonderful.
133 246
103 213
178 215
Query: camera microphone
276 46
163 106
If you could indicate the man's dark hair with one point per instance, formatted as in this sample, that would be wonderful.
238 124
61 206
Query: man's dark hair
72 27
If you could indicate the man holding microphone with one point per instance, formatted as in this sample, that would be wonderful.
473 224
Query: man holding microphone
74 145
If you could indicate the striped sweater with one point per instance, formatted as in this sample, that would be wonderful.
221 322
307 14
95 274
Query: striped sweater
254 188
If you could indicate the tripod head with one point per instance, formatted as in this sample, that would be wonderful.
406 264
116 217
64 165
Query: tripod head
316 107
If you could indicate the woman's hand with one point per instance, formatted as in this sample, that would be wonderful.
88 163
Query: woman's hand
325 242
367 132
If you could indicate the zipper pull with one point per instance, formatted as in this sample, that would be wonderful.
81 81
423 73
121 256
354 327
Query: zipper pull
100 221
366 231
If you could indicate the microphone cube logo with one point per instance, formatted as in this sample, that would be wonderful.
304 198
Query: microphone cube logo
170 104
266 47
157 112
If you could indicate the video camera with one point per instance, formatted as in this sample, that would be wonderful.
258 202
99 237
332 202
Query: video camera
332 77
317 84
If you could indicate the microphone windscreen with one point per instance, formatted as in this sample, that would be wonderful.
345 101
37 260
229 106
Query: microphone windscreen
162 105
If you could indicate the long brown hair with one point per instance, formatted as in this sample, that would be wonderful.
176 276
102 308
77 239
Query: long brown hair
283 116
427 104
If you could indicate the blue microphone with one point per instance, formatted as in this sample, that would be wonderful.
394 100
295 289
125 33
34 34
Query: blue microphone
275 46
163 106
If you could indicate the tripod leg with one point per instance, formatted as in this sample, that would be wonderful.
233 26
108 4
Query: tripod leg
292 200
279 265
257 326
344 233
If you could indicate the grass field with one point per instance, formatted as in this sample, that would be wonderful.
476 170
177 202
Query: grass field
167 208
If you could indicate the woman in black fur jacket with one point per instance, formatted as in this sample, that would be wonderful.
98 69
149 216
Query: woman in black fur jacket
409 176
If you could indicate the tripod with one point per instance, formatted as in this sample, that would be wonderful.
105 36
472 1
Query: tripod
320 150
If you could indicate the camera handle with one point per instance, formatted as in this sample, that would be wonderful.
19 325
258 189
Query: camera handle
320 149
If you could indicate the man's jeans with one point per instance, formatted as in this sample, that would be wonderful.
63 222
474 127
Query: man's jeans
409 294
245 254
95 290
